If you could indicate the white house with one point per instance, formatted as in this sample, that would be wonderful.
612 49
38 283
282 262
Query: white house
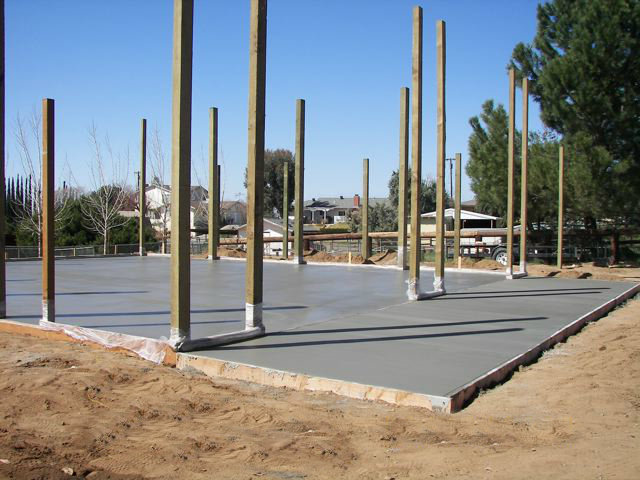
159 206
271 228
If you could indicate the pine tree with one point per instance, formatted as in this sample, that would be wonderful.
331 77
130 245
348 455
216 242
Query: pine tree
584 66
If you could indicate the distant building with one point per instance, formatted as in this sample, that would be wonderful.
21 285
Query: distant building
271 227
468 219
159 206
328 210
233 212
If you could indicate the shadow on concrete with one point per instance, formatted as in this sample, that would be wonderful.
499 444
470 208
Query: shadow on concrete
402 327
162 324
366 340
124 292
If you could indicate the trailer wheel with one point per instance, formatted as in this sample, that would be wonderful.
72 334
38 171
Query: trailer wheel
500 256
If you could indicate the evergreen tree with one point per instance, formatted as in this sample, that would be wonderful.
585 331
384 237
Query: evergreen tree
488 157
427 192
584 66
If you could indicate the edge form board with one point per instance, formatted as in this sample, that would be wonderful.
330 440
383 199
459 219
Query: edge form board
460 396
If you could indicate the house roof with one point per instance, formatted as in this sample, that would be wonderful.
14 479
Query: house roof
464 215
233 204
274 224
326 203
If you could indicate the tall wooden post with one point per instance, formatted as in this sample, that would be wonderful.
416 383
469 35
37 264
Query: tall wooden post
255 170
298 228
181 172
3 273
457 221
402 178
214 207
441 248
510 169
48 213
416 154
523 176
142 199
366 241
285 212
560 203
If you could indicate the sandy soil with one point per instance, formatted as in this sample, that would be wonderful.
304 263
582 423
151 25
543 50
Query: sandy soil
573 414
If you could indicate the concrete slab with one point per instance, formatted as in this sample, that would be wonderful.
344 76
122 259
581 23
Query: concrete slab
131 294
336 328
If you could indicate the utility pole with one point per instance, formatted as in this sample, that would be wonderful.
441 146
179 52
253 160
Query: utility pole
450 161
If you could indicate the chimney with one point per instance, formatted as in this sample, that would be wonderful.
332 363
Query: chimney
356 200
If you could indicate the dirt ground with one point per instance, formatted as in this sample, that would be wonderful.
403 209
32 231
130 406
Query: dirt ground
68 408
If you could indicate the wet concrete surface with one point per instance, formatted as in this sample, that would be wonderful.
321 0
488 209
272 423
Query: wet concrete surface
349 323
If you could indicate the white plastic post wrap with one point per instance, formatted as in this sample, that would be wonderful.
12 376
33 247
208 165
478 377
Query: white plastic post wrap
414 293
177 338
147 348
253 316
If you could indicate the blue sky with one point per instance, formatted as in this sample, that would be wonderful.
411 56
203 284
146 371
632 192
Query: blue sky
109 63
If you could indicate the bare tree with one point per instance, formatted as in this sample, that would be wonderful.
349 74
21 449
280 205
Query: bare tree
160 205
202 208
28 208
110 193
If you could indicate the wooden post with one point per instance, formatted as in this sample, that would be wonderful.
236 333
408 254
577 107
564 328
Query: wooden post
441 249
142 182
510 169
416 154
523 176
285 212
255 170
560 203
3 272
457 222
402 178
214 207
366 241
48 213
298 228
181 172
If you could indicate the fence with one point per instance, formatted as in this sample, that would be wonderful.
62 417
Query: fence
199 246
13 252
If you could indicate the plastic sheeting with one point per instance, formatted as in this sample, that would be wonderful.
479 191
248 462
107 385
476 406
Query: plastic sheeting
147 348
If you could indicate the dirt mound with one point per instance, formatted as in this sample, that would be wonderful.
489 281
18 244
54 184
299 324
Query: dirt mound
585 271
232 252
487 264
388 257
325 257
